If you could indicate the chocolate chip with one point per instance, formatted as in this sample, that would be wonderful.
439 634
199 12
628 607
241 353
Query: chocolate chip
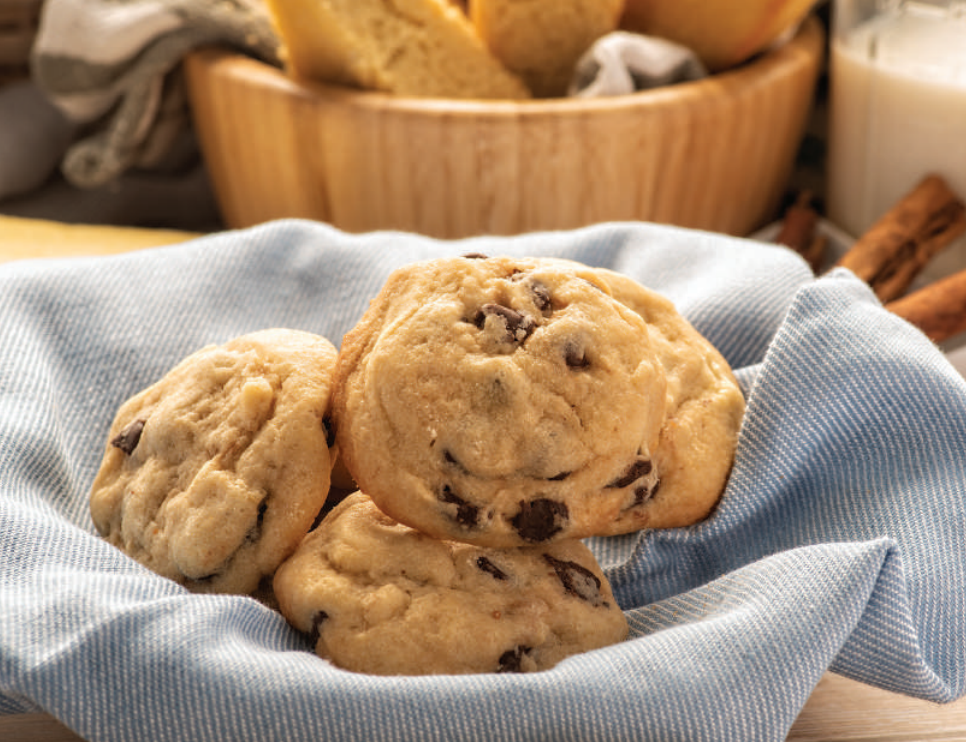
512 659
541 297
539 520
255 532
475 256
127 440
577 580
498 393
574 356
517 326
640 468
317 620
644 494
450 459
466 514
490 568
328 425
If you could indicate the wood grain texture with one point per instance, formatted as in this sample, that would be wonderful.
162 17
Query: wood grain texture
34 728
23 238
842 710
714 154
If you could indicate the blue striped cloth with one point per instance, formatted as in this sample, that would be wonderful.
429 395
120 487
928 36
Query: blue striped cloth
839 543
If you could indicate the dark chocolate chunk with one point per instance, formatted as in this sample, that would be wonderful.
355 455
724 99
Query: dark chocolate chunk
640 468
541 297
490 568
575 357
328 425
127 440
450 459
577 580
317 620
466 514
512 659
255 532
498 393
539 520
518 326
644 494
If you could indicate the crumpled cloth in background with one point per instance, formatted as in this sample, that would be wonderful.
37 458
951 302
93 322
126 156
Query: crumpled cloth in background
107 64
621 63
837 545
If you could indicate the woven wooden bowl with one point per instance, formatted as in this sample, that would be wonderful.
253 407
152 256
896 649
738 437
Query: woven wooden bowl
714 154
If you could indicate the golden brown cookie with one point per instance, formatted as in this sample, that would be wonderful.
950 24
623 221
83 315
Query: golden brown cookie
379 597
214 474
502 402
506 402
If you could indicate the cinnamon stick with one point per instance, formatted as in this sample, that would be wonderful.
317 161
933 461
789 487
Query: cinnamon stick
939 309
892 252
799 231
815 254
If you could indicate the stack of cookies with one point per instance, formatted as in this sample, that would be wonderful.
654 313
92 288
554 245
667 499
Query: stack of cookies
492 412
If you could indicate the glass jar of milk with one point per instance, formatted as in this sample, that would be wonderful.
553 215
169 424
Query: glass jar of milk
897 109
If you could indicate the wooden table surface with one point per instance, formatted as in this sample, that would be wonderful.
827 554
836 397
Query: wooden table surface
839 709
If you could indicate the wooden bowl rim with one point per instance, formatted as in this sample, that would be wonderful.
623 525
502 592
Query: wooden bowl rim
798 52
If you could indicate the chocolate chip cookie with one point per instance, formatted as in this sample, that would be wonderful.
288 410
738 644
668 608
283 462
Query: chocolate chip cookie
506 402
378 597
214 474
501 402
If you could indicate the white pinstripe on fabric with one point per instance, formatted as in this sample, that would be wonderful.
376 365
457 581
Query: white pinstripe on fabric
838 544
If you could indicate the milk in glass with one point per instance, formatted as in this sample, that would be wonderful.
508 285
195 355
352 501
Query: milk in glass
897 109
